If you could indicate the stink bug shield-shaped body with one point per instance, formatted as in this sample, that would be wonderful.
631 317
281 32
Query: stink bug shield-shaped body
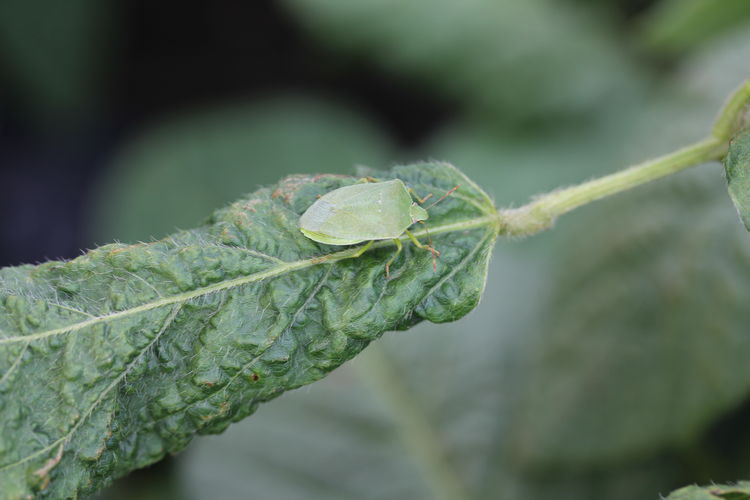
364 212
361 212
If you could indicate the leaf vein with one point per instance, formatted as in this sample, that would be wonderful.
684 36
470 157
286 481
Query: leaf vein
15 364
72 309
64 439
275 339
460 266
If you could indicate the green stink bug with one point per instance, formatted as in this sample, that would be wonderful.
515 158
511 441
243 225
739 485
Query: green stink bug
365 212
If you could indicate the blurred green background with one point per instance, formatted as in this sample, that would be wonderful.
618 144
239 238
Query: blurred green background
608 358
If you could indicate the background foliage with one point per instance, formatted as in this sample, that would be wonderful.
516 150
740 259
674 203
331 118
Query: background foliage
606 359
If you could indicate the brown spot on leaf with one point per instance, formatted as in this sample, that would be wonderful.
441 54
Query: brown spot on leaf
128 247
249 205
242 219
43 472
289 186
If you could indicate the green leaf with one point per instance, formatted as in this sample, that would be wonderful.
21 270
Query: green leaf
114 359
644 343
507 58
352 434
740 491
675 26
737 166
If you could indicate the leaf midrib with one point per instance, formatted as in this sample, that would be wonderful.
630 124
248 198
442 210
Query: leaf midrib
485 220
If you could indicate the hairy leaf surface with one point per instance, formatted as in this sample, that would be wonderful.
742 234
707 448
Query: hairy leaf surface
115 358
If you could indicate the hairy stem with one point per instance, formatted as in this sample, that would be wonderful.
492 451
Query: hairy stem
541 213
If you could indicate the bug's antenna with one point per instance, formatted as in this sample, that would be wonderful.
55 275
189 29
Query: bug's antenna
444 197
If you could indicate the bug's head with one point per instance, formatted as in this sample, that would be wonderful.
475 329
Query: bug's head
417 213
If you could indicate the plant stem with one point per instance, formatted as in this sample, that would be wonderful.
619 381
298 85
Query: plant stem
541 213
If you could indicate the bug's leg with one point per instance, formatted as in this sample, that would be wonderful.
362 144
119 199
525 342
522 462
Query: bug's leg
429 237
416 242
362 249
399 247
416 197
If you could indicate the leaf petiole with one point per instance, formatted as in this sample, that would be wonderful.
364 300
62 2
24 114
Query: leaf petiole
541 213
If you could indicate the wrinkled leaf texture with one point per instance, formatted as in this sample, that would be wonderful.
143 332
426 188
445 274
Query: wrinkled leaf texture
114 359
340 437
